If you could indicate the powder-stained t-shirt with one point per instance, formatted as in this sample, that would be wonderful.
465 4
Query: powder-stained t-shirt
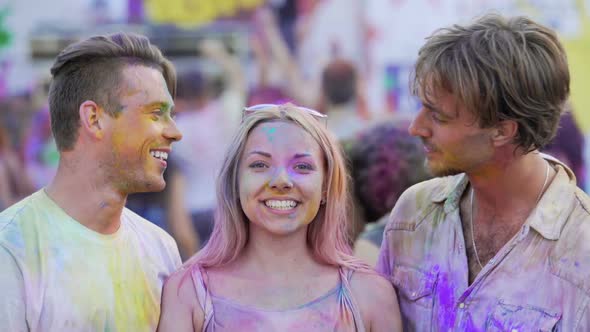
57 275
539 280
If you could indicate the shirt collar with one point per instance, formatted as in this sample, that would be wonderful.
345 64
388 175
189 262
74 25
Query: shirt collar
555 206
548 217
449 192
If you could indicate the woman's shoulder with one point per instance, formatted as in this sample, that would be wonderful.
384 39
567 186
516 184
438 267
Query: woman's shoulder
180 285
181 309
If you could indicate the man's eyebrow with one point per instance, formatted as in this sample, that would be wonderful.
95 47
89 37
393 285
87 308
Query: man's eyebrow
165 106
436 110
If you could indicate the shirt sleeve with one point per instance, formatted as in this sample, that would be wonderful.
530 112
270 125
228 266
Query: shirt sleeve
175 254
12 300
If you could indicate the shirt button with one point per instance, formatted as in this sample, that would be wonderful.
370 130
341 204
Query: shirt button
414 294
492 262
461 305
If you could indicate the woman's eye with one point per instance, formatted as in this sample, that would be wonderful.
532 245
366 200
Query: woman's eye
304 167
257 164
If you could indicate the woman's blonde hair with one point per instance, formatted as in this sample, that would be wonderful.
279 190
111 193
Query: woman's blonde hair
326 235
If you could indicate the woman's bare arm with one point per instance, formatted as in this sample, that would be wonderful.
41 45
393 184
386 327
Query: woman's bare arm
180 309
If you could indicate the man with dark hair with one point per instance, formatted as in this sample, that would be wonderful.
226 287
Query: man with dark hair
341 99
500 240
73 258
339 82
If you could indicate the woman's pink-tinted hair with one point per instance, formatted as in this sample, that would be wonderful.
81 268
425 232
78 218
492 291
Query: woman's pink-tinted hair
326 235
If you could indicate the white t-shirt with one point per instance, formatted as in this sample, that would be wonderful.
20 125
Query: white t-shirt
57 275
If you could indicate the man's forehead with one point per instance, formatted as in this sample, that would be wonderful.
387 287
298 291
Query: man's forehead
144 82
432 86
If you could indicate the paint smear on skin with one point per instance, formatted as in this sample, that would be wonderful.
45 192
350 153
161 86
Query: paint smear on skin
270 133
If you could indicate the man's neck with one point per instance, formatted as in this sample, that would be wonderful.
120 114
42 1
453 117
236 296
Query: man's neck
91 202
497 204
512 187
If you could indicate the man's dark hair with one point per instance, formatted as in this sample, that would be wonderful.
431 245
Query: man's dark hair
339 82
91 70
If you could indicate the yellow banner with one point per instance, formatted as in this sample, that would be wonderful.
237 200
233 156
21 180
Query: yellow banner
578 56
191 13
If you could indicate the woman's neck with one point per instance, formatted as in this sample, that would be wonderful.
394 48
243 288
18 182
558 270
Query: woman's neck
286 255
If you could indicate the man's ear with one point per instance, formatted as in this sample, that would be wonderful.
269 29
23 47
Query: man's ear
92 119
504 132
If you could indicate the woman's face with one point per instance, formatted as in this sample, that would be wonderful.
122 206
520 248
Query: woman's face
281 176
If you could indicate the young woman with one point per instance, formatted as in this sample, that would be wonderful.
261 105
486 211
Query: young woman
278 259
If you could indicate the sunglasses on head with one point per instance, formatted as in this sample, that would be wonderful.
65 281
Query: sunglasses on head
254 108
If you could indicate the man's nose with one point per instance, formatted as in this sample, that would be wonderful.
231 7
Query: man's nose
418 126
172 132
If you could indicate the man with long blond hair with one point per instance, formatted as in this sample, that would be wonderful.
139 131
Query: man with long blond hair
499 241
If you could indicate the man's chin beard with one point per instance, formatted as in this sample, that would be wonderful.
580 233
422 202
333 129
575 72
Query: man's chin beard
442 171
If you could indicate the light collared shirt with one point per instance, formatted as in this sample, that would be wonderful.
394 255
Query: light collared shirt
539 280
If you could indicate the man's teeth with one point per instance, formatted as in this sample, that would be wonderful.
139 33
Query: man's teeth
159 154
280 205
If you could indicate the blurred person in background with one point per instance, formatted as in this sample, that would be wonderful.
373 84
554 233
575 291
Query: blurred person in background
14 183
385 161
286 12
341 99
40 151
340 94
278 258
266 95
72 256
207 119
267 88
568 146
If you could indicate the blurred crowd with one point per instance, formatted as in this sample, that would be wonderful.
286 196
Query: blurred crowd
383 158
